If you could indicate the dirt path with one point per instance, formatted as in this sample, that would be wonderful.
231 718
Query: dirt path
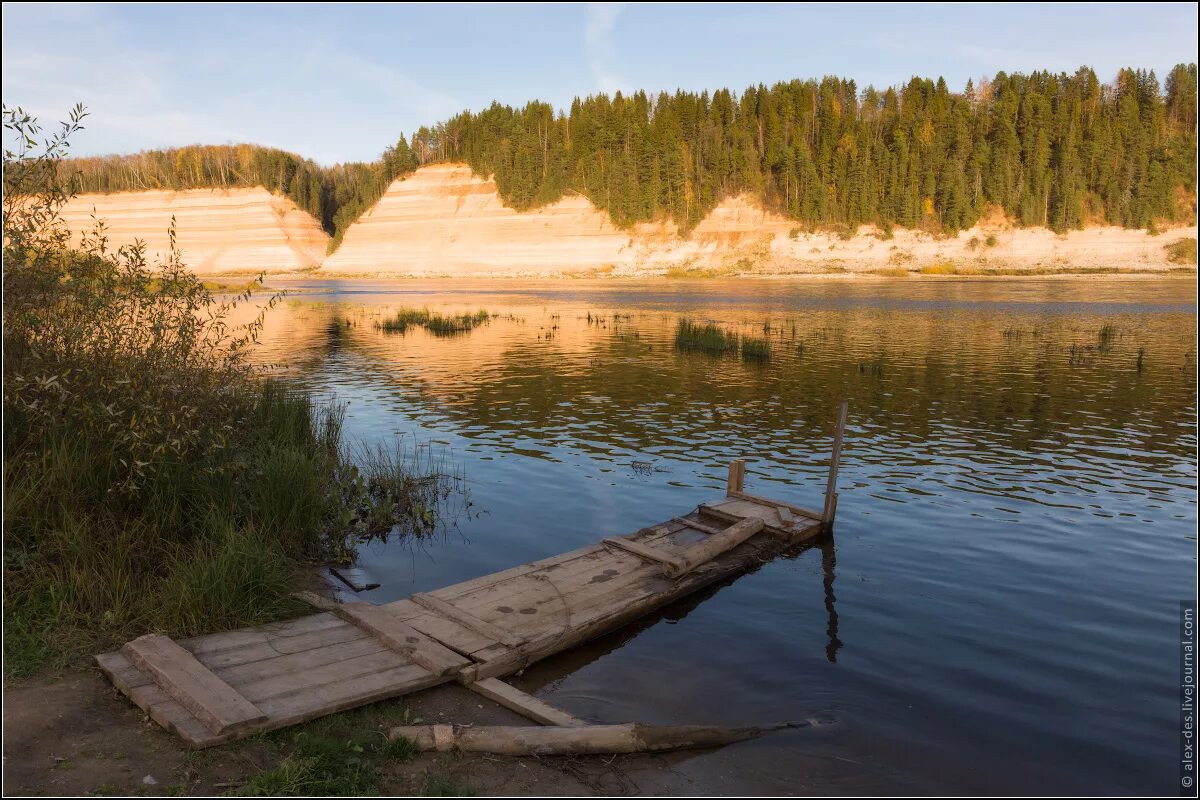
73 734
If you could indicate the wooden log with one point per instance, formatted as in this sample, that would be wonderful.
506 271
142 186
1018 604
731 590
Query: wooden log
737 476
831 486
404 639
714 546
470 621
630 737
648 553
524 704
214 702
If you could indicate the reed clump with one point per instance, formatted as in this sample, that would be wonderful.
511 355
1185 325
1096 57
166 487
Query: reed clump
706 338
437 324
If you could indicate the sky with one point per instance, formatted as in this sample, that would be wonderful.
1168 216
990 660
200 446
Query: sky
340 82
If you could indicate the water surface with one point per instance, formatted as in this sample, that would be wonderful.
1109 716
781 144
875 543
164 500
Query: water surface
1016 527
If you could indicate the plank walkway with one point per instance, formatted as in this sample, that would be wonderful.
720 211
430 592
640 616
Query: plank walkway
211 689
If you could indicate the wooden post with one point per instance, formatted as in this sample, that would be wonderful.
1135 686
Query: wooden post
831 487
737 476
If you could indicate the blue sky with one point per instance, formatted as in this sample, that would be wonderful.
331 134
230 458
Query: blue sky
338 83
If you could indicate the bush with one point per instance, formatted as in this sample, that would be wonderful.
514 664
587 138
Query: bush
1182 251
152 481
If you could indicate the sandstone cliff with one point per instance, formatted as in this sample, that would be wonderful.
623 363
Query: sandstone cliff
444 221
219 230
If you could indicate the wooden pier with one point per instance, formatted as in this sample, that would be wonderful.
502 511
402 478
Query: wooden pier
211 689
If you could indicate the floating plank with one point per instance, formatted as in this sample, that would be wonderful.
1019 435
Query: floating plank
214 702
715 545
524 704
389 629
648 553
465 619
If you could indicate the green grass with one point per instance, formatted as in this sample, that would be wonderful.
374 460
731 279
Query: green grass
437 324
705 338
755 350
338 755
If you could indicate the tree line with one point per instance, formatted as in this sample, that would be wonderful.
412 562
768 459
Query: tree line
1046 149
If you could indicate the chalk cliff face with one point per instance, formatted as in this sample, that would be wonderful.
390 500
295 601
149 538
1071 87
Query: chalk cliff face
444 221
219 230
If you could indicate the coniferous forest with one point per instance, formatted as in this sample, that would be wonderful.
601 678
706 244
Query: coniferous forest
1053 150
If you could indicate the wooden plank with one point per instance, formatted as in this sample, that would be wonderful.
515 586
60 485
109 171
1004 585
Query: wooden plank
214 702
157 704
402 638
449 633
797 533
696 525
524 704
785 516
249 672
341 635
775 504
276 631
715 545
831 486
648 553
463 618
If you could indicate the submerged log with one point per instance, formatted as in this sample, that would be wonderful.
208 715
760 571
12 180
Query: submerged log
631 737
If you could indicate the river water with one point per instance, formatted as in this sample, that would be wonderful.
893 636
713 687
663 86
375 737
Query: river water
998 608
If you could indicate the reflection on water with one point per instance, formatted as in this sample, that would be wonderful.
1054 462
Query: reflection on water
1015 528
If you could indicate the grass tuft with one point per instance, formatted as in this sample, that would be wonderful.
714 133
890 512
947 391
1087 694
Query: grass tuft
706 338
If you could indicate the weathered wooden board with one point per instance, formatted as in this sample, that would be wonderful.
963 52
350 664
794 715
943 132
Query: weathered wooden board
389 629
524 704
213 701
465 618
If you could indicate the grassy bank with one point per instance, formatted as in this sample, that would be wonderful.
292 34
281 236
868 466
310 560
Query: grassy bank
152 481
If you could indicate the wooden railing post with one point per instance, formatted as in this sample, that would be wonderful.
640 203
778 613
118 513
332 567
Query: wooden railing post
737 476
830 510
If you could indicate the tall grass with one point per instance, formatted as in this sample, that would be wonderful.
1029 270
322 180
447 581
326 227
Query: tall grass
755 350
437 324
706 338
152 480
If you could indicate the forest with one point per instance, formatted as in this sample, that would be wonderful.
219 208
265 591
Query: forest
1054 150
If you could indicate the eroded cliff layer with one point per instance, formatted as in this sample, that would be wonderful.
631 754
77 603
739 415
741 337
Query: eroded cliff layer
218 230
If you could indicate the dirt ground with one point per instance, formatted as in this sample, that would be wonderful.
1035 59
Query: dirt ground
73 734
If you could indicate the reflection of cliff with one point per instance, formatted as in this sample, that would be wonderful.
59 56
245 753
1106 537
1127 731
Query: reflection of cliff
915 373
219 231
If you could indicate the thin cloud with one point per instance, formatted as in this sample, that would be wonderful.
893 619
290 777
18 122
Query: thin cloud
599 20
